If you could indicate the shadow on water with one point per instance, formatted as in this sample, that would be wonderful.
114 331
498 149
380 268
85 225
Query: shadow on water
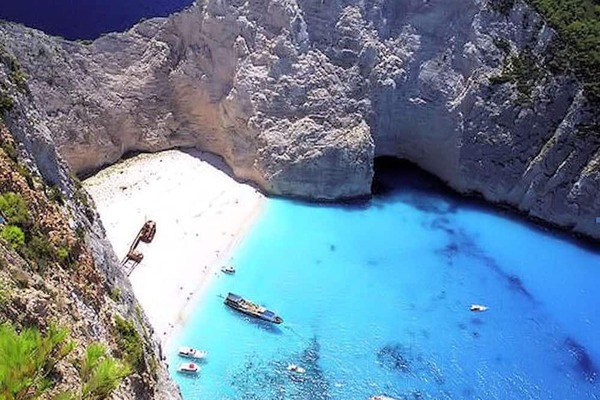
584 364
413 186
261 379
461 243
424 191
407 361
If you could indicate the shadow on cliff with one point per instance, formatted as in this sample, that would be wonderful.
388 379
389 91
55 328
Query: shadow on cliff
219 163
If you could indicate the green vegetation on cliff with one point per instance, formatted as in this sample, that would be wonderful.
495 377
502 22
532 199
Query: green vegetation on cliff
14 208
25 236
578 23
130 342
44 265
578 47
100 373
14 236
502 6
16 75
28 358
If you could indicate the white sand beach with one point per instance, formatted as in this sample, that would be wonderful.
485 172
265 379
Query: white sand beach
201 213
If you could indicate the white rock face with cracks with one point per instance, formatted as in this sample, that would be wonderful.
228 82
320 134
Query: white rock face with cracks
300 96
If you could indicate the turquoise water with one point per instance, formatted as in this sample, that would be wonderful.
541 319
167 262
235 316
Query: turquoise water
375 300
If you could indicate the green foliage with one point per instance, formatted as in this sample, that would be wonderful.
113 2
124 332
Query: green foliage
503 45
55 195
6 102
502 6
115 294
578 23
66 396
65 256
40 249
100 373
15 74
14 208
19 78
8 147
13 235
25 173
63 252
28 358
130 342
93 354
153 366
522 70
81 196
80 232
5 292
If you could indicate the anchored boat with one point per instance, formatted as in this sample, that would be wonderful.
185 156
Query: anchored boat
190 352
247 307
478 308
188 368
228 269
295 368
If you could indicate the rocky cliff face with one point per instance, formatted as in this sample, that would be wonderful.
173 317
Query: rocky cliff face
64 271
301 95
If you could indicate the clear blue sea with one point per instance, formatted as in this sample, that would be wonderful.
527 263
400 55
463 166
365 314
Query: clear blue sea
86 19
375 300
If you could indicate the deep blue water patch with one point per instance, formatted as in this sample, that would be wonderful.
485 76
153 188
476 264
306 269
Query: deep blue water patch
375 300
86 19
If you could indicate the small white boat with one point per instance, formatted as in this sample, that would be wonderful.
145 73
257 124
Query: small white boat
381 398
295 368
188 368
477 308
228 269
190 352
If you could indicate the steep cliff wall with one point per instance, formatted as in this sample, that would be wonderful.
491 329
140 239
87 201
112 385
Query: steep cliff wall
301 95
62 270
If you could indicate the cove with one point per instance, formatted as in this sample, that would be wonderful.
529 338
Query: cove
375 300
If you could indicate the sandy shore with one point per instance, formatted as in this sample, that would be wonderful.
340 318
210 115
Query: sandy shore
201 213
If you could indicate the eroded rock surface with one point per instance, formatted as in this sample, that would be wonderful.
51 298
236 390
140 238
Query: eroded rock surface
301 95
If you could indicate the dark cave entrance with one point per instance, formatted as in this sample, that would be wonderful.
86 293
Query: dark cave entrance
392 174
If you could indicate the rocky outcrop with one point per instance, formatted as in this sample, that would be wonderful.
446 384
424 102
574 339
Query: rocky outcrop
301 95
65 272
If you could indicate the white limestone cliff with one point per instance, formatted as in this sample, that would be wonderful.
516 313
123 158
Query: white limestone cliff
300 96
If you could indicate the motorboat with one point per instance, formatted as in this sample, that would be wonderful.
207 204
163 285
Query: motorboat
295 368
477 308
190 352
188 368
228 269
381 398
247 307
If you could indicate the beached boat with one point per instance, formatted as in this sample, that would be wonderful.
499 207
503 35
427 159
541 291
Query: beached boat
477 307
247 307
190 352
228 269
188 368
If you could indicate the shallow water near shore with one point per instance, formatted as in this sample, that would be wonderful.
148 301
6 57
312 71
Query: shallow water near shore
375 300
